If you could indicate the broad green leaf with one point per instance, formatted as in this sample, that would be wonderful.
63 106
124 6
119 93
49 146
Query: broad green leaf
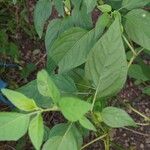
36 131
31 90
90 4
137 27
116 117
130 4
76 3
64 83
72 47
55 28
59 5
13 126
47 87
61 137
116 4
136 72
81 18
78 75
42 12
106 64
19 100
101 24
73 108
87 124
105 8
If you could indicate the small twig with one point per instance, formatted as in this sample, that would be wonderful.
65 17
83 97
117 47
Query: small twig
136 132
139 113
142 124
93 141
41 59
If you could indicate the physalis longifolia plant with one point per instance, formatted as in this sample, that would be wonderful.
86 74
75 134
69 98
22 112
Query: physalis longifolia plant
86 66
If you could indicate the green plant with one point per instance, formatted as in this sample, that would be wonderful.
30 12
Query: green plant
86 66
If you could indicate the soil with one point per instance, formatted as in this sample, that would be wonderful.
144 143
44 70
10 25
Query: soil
33 51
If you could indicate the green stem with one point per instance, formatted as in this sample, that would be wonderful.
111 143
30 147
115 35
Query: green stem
94 100
129 45
139 113
106 142
133 58
55 108
93 141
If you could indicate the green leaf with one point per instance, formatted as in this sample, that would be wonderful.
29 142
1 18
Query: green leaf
72 47
76 3
47 87
116 118
59 5
136 72
42 12
13 126
116 4
101 24
64 83
90 4
146 90
61 137
80 17
36 131
87 124
31 90
137 27
19 100
73 108
55 28
106 64
105 8
130 4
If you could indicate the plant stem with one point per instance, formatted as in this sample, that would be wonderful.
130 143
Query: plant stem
94 99
106 142
93 141
44 110
139 113
129 45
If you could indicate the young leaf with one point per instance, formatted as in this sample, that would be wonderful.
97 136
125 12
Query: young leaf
73 108
61 138
47 87
87 124
116 118
19 100
137 27
130 4
90 4
36 131
42 12
13 126
106 64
